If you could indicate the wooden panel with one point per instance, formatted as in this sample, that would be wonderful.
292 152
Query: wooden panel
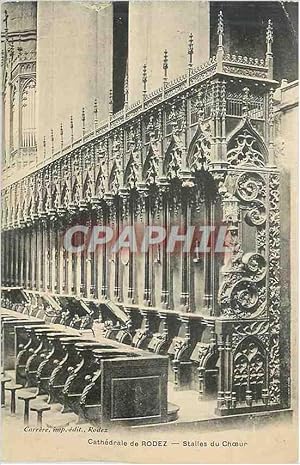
134 390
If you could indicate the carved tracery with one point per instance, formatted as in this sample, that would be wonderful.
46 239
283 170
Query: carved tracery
246 147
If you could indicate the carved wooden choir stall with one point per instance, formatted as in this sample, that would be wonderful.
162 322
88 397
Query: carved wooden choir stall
198 151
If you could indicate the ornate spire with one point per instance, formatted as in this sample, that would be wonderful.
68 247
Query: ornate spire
126 87
191 50
144 80
220 29
269 54
110 103
52 141
61 137
269 37
44 146
165 65
95 114
83 121
72 129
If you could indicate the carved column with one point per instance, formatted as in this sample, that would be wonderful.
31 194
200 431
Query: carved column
46 256
147 268
88 263
32 258
165 258
185 257
3 258
118 213
13 258
39 255
53 282
33 241
104 267
17 257
99 257
221 386
21 257
8 257
26 265
69 272
60 259
131 264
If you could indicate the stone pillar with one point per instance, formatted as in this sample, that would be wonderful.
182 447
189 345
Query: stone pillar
156 26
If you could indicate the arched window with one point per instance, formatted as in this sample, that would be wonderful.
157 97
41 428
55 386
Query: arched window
28 117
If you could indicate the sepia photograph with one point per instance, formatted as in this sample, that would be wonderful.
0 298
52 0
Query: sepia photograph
149 231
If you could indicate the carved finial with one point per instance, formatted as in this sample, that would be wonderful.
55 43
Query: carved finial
95 114
166 65
72 129
269 37
191 50
246 93
110 102
52 141
220 29
145 79
83 121
61 137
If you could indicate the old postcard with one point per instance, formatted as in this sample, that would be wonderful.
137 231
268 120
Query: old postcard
149 231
